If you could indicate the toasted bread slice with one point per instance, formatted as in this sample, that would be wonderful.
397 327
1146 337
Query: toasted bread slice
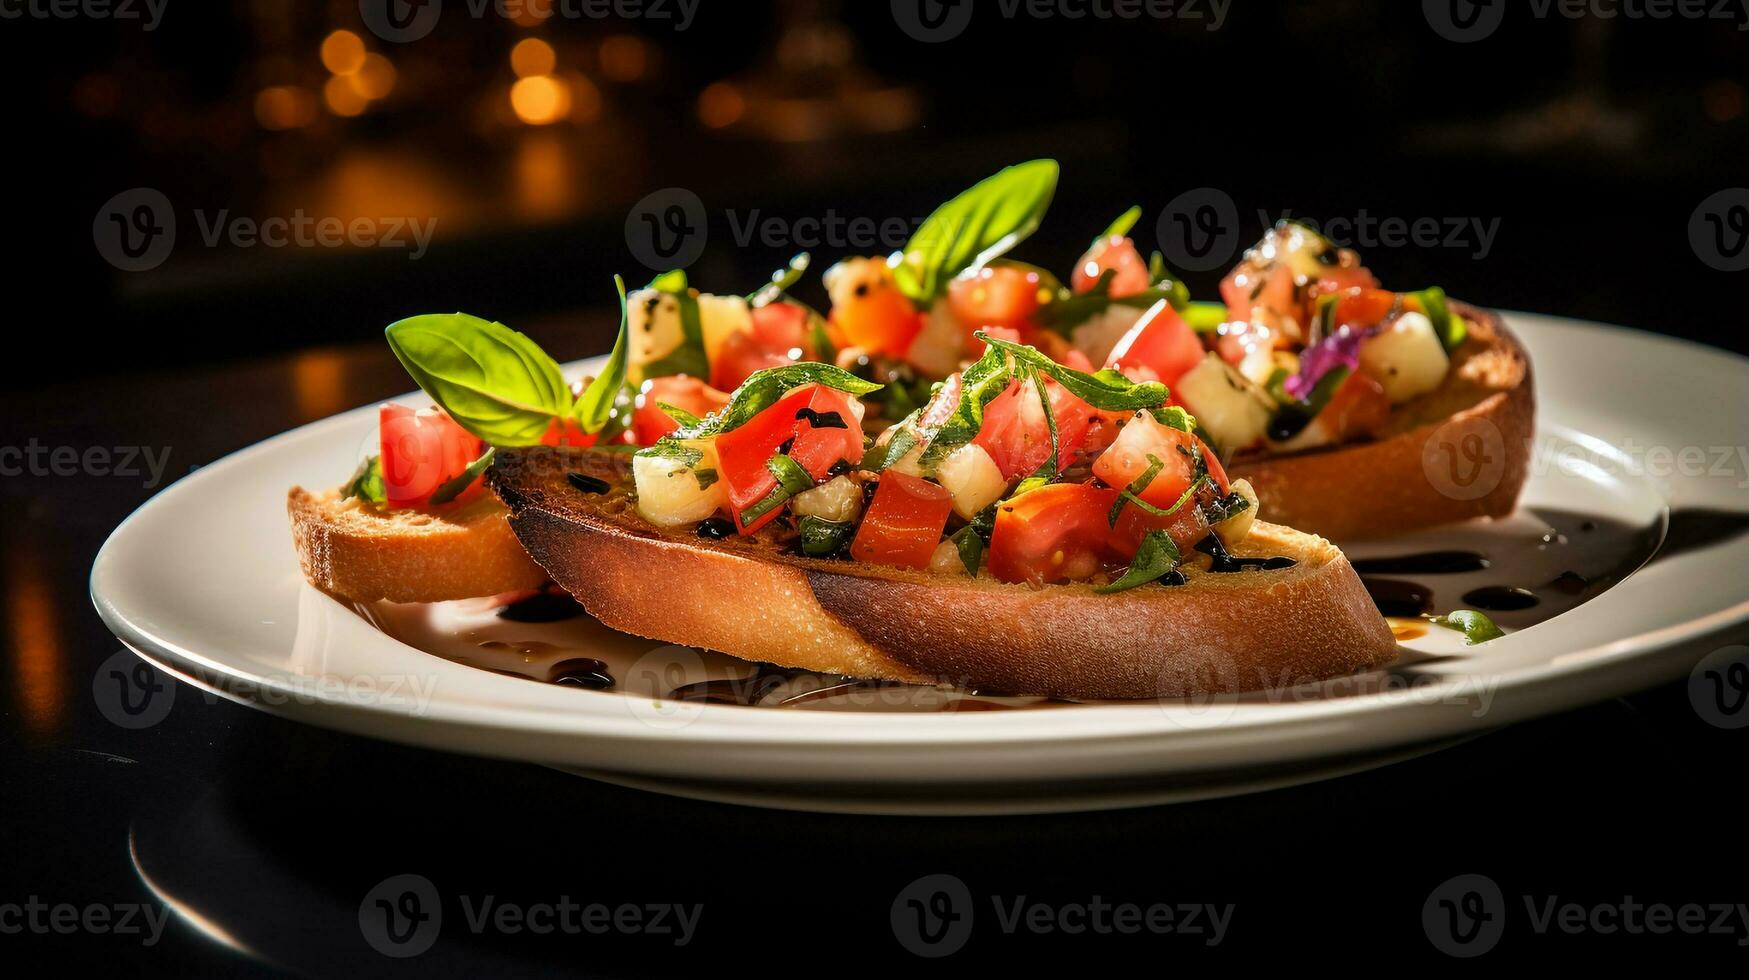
359 551
1458 452
752 599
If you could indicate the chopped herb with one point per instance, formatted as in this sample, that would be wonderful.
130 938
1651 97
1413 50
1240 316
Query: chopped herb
1156 558
456 485
1476 627
367 482
681 416
821 538
706 478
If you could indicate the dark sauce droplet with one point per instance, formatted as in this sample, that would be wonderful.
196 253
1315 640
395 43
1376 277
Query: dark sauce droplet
1501 598
1222 562
545 607
822 420
1425 563
1570 583
716 528
1398 599
587 483
585 672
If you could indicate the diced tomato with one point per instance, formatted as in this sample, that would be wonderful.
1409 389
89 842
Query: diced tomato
781 327
1119 255
1186 526
1162 343
650 423
1358 408
566 432
1271 287
421 451
869 310
903 524
1360 308
1127 459
1017 436
1337 278
1057 533
740 355
742 453
997 296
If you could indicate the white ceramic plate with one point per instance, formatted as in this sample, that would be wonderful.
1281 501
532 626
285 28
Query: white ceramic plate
203 581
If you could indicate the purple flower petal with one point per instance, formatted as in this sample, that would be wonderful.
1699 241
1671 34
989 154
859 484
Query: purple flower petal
1341 349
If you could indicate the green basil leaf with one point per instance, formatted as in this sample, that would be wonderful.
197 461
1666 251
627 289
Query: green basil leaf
1476 627
1157 557
596 405
1047 470
974 228
782 281
706 478
670 449
1451 328
672 281
1103 391
367 482
970 545
980 383
1121 227
453 488
681 416
762 389
821 538
495 382
791 478
1204 317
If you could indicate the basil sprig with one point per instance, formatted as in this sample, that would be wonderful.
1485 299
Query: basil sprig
1155 559
495 382
596 406
975 227
367 482
1105 390
453 487
792 478
498 384
763 389
1476 627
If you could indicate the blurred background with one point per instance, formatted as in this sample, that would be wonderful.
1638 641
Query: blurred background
495 150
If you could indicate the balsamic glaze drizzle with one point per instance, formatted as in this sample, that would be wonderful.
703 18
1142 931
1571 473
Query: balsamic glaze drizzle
1223 562
587 483
822 420
543 607
716 528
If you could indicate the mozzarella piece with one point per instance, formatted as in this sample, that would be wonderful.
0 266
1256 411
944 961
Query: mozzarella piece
1099 334
718 318
937 349
972 479
1405 357
653 320
669 491
838 500
1237 528
1229 407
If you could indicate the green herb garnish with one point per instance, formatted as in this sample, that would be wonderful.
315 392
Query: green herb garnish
453 487
367 482
821 538
495 382
1156 558
975 227
1476 627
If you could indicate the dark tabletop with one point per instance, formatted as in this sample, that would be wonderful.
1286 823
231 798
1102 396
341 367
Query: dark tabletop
252 842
